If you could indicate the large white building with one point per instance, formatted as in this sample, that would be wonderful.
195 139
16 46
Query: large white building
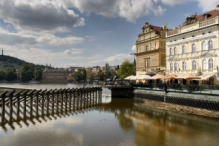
194 46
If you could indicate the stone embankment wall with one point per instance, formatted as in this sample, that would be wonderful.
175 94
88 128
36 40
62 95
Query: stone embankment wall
208 102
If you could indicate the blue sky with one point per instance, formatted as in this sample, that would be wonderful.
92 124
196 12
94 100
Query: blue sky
85 33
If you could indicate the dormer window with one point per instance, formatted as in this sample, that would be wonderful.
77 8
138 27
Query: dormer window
193 35
206 16
203 33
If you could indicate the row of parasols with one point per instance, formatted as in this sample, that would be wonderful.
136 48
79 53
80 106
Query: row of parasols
169 77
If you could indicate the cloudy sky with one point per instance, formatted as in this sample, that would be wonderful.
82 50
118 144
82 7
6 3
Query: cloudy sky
85 33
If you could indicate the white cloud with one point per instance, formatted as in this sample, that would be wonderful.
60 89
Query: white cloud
39 15
90 37
128 9
134 47
119 58
22 38
205 5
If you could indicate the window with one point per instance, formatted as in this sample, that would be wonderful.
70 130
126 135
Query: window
170 51
193 65
183 49
175 66
152 46
142 48
204 46
147 63
193 47
210 44
210 64
175 51
204 64
171 66
147 48
184 65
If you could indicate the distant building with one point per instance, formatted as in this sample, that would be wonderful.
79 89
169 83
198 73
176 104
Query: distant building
54 76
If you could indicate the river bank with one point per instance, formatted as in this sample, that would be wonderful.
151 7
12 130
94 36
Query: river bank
144 103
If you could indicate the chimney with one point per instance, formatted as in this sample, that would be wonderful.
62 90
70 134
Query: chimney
217 8
165 26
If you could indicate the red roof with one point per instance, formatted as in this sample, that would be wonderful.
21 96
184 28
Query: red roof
157 29
199 18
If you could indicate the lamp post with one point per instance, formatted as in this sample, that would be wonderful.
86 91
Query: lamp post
134 69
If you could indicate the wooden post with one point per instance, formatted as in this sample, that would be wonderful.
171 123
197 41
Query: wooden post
3 96
24 94
96 94
66 98
43 95
74 97
81 92
52 94
70 97
31 102
10 95
90 95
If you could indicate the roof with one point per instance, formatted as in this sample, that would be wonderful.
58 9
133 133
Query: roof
157 29
198 18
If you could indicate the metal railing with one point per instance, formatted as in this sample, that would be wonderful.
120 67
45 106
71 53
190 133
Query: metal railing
197 89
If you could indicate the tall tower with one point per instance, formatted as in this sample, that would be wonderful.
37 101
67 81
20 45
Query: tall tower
2 51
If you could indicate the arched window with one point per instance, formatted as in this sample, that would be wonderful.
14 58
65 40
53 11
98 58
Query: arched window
210 64
193 47
147 48
175 66
193 65
184 65
171 66
204 64
204 46
175 51
210 44
183 49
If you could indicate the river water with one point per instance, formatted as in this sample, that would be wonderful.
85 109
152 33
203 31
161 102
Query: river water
115 122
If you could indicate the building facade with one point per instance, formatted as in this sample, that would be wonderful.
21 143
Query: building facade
54 76
194 46
150 50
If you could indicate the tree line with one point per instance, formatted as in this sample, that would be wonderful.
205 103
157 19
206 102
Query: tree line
127 68
25 73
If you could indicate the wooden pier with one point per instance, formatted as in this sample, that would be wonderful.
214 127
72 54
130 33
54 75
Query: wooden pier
24 106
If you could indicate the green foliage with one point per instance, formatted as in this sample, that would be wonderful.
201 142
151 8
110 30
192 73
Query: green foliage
100 75
25 73
2 74
91 77
126 69
10 75
38 74
80 75
12 62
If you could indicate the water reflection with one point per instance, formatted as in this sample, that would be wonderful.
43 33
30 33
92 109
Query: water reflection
115 122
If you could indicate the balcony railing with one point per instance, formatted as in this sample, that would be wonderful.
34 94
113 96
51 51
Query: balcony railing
196 89
194 26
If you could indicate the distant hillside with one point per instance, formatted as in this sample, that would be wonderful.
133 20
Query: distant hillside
12 62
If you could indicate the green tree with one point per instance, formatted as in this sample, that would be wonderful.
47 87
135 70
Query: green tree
38 74
2 74
100 75
126 69
25 73
91 77
108 75
10 75
80 75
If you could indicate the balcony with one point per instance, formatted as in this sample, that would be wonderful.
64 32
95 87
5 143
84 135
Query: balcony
194 26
